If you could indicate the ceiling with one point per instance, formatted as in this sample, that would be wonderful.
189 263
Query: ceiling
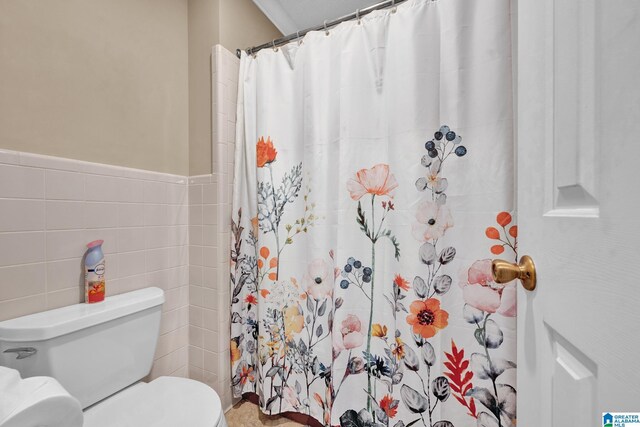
294 15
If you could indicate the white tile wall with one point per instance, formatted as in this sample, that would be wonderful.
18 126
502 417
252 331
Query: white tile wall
51 207
209 223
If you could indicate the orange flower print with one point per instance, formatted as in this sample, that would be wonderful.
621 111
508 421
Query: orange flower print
293 321
492 233
378 330
265 152
377 181
389 405
236 353
427 318
265 292
272 263
326 408
273 347
246 374
497 249
318 399
503 219
398 349
401 282
254 225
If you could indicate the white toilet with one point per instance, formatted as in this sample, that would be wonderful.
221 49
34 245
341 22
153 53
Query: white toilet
98 353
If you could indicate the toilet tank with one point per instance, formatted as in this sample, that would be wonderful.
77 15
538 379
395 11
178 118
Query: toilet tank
93 350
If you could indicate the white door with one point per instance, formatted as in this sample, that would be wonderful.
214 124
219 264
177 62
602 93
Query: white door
579 210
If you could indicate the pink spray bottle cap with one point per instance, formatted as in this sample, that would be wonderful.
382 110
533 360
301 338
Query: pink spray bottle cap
94 243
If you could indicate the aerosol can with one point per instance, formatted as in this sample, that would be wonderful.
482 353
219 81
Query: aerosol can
94 269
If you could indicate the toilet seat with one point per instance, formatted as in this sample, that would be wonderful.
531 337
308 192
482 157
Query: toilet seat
164 402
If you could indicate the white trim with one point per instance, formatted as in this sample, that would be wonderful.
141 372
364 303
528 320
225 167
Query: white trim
19 158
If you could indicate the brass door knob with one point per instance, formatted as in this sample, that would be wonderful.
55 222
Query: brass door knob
525 270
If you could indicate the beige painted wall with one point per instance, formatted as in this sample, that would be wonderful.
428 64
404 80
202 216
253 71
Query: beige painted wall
204 32
103 81
122 82
233 24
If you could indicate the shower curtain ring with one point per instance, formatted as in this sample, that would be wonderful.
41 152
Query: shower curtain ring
358 16
394 9
298 37
326 31
275 48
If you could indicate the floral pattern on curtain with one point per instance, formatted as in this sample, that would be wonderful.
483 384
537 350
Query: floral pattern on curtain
363 228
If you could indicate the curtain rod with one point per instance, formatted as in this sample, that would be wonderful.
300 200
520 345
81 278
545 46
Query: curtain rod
327 24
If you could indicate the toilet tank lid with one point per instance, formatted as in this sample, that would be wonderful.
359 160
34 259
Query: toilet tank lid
54 323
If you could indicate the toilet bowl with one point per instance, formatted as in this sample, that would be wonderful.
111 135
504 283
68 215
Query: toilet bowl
99 353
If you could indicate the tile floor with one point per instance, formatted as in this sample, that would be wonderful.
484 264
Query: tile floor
246 414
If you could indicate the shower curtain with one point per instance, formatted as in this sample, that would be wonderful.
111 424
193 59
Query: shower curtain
374 183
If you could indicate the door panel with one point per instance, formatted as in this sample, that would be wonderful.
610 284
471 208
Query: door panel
578 202
571 71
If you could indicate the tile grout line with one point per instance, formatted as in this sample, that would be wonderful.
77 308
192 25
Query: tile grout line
46 255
